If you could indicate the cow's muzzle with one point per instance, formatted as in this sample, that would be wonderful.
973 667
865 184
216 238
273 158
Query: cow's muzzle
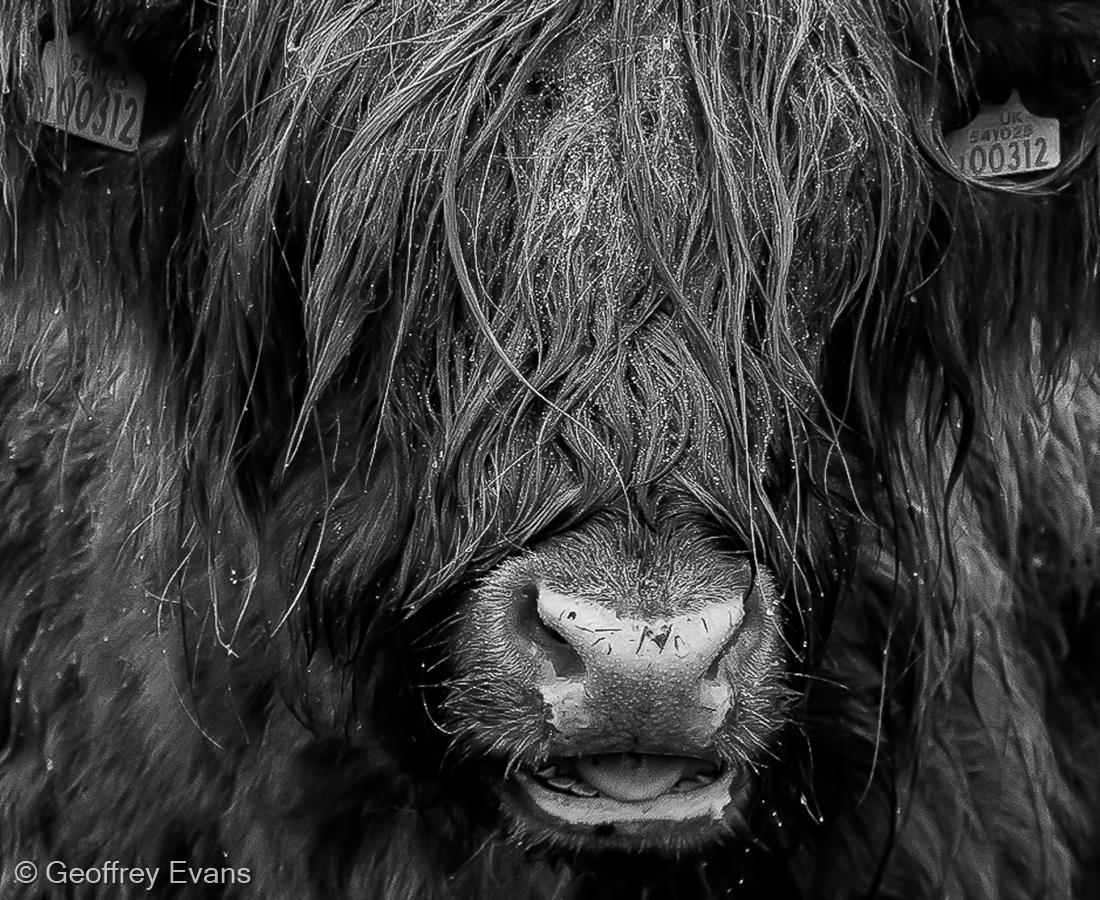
652 672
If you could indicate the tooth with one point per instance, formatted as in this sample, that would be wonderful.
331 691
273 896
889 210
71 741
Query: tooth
583 790
561 784
547 772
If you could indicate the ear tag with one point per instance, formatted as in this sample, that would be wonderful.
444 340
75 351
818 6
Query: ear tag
81 94
1005 140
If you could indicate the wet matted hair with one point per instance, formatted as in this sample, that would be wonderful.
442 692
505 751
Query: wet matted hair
392 293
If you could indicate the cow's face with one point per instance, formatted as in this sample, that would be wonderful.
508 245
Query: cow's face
570 281
653 224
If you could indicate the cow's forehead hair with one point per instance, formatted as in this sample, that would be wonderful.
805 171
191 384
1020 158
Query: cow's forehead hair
751 140
504 201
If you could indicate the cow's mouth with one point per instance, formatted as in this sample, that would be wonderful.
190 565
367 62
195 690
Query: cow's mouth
629 799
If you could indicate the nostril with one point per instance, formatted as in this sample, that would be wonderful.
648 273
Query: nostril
550 643
714 670
531 604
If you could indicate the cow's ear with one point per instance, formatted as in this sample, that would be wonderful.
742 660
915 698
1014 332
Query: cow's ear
1047 50
96 191
99 98
158 49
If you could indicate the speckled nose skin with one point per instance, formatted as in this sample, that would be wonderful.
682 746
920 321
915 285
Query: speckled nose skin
614 641
659 677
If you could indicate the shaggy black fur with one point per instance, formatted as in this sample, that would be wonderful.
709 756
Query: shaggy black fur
394 290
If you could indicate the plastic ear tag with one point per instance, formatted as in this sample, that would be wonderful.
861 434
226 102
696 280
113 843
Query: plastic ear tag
82 95
1005 140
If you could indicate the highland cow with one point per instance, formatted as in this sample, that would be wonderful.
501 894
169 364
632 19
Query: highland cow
550 449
